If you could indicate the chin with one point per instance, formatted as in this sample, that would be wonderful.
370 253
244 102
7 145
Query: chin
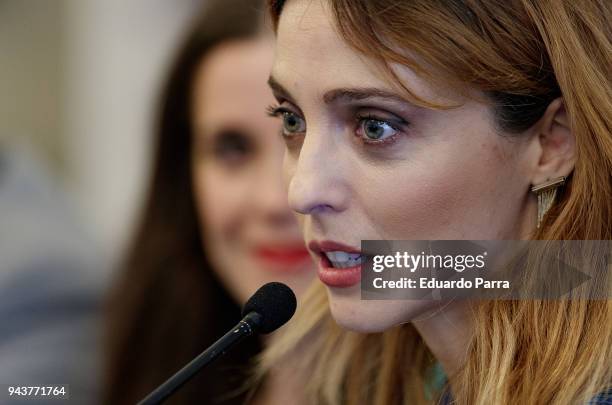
371 316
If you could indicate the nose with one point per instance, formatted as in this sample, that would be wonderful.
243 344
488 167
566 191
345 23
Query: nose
315 184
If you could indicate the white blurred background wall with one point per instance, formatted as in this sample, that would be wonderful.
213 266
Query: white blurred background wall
78 82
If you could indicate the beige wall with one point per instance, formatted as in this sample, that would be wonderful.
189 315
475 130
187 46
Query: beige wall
30 75
79 80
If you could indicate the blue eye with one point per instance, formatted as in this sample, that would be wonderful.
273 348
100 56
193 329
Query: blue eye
376 130
292 124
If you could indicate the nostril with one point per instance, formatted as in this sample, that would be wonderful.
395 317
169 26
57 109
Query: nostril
320 208
315 191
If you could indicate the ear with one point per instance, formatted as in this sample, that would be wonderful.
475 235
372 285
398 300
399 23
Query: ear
556 144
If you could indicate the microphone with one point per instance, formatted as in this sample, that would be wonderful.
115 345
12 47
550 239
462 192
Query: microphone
267 310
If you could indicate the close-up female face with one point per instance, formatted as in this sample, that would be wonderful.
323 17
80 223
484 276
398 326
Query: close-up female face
250 235
362 162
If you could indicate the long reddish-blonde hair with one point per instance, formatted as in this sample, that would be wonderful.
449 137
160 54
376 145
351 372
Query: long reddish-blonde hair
521 54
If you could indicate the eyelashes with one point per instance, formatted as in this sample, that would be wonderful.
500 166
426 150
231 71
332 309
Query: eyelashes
371 128
292 123
273 110
376 131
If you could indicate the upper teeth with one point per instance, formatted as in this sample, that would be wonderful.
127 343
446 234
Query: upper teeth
344 259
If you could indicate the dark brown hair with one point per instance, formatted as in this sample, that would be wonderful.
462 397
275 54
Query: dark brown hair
167 305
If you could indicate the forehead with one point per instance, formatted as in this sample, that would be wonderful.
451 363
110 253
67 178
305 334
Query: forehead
233 75
312 56
235 66
307 42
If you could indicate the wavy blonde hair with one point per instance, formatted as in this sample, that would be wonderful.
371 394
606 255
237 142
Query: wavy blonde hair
522 54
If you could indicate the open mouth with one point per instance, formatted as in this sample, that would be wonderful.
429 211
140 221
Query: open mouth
343 260
340 264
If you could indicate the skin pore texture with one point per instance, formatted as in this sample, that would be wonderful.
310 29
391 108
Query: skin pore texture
250 233
362 162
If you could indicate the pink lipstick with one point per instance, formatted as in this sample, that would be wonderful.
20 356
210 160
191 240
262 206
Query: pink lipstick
335 276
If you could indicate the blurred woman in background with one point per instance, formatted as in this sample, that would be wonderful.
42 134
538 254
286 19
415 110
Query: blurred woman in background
216 225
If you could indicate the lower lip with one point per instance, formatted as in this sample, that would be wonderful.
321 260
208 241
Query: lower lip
336 277
284 260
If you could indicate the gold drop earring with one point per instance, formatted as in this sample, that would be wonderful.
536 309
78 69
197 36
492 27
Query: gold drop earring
547 192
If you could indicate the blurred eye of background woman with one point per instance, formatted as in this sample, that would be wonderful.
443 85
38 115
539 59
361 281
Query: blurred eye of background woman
216 225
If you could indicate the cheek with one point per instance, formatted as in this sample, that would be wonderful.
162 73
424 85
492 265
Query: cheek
288 168
218 200
459 190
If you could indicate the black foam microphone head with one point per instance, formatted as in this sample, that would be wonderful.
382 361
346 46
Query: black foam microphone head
275 302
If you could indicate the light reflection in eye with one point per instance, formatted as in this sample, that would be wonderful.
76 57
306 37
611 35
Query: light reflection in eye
376 129
293 123
371 129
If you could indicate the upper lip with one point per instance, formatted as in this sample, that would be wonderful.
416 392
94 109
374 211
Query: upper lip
320 247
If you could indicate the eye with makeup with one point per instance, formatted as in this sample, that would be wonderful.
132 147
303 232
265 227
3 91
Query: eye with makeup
371 128
379 130
292 123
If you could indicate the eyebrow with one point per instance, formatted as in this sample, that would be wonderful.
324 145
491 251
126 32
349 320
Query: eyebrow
341 94
361 93
279 90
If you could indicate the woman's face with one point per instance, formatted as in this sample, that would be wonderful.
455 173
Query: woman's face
250 235
361 162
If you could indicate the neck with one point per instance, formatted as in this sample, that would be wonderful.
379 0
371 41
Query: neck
446 331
